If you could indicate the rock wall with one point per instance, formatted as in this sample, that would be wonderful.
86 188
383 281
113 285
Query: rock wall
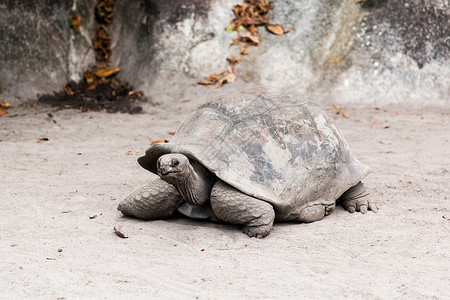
375 52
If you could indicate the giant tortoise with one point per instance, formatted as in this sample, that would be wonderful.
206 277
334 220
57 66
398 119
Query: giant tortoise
250 158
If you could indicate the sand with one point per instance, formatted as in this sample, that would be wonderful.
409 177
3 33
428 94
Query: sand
53 246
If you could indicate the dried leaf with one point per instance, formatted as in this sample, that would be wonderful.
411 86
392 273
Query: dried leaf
340 111
335 61
131 153
107 72
60 250
252 38
75 23
232 61
68 90
3 112
227 79
230 28
41 140
172 132
158 142
184 100
93 217
275 29
119 232
88 77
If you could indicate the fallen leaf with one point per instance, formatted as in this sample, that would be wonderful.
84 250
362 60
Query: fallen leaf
4 104
376 122
93 217
59 250
183 101
119 232
335 61
252 38
340 111
227 79
88 77
107 72
232 61
244 51
131 153
172 132
158 142
276 29
75 23
230 28
41 140
3 112
68 90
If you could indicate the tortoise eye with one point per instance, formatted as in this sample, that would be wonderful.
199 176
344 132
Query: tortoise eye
174 163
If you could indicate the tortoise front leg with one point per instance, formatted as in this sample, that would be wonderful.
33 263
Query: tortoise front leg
233 206
155 200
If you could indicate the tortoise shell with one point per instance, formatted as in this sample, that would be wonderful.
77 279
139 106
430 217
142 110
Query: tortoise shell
271 145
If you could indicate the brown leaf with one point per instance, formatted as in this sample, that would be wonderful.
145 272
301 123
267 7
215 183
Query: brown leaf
3 112
340 111
249 36
68 90
131 153
107 72
172 132
335 61
158 142
119 232
60 250
93 217
277 29
227 79
88 77
75 22
232 61
41 140
184 101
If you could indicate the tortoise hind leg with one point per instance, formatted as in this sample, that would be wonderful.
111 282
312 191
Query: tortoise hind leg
357 198
233 206
315 212
156 200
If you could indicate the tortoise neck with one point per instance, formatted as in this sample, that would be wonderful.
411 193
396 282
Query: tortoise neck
196 186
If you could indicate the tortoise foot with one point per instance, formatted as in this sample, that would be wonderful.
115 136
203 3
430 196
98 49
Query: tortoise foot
233 206
357 199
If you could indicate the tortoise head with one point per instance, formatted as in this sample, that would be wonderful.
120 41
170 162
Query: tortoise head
172 166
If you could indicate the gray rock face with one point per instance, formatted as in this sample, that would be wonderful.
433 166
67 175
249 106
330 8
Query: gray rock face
39 53
377 52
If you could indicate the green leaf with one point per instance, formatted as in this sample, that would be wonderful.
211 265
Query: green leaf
230 28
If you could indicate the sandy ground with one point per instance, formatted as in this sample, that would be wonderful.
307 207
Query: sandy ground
50 189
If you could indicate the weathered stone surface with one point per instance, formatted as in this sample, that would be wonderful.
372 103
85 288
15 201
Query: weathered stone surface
377 52
38 50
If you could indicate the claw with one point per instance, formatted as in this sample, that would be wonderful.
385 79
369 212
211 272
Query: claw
373 207
351 209
363 209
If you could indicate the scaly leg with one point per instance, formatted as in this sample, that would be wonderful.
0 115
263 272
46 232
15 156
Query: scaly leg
156 200
233 206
